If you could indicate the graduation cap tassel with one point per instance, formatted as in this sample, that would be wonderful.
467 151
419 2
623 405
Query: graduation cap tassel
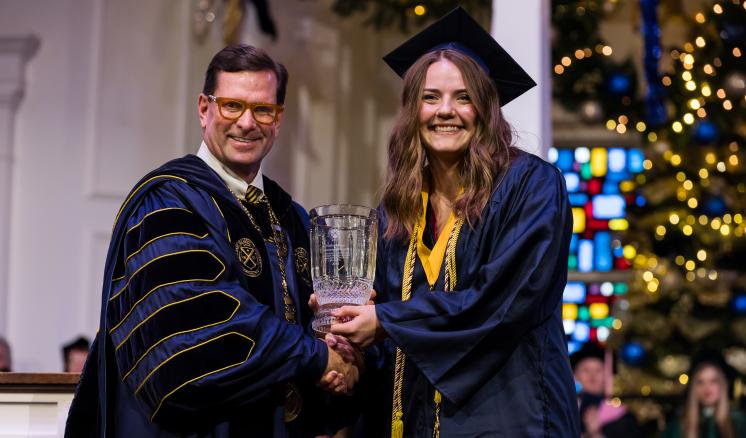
397 426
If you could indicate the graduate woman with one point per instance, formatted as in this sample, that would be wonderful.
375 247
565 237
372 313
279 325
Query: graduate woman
472 259
708 411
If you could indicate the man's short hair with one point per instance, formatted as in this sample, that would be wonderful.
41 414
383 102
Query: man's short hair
590 350
81 343
243 57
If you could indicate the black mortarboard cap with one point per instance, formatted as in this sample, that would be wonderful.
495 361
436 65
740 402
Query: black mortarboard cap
589 350
457 30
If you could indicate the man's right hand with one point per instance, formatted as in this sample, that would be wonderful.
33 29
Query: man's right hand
350 353
340 376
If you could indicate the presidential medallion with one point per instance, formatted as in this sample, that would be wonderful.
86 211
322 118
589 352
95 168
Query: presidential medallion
278 238
248 255
302 264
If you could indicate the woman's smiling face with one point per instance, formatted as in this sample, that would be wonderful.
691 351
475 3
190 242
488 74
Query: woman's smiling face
447 115
708 386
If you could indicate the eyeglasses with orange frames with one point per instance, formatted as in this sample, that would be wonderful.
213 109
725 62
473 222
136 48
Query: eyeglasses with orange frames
233 109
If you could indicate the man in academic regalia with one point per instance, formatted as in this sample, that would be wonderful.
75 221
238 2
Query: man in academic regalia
204 316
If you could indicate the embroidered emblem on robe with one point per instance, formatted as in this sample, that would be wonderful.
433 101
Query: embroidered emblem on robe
248 255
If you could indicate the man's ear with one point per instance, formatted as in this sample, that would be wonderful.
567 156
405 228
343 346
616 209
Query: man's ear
203 105
278 122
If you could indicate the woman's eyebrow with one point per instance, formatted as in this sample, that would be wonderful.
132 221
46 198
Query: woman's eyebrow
437 90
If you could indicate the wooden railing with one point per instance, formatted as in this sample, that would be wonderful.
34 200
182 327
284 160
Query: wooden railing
35 405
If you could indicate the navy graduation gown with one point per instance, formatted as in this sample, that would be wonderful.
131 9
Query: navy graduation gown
193 340
495 346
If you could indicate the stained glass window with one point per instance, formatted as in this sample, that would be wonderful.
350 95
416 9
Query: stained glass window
600 184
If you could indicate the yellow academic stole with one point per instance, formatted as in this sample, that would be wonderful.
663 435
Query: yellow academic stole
431 260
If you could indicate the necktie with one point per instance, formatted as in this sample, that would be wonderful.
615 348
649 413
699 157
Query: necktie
257 202
254 195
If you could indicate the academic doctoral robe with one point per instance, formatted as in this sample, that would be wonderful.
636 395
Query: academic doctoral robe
495 346
193 340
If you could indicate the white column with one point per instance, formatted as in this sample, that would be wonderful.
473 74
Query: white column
522 28
14 53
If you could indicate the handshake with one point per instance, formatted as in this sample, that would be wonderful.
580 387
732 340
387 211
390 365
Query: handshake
359 330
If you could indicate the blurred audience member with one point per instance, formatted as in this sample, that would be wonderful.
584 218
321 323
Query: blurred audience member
600 416
74 354
707 412
5 362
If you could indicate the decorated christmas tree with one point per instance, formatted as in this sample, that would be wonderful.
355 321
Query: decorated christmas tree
690 289
686 241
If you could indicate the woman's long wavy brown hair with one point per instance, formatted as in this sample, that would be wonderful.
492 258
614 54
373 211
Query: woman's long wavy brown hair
692 421
488 153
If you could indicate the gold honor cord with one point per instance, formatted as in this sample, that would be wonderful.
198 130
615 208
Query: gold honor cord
450 278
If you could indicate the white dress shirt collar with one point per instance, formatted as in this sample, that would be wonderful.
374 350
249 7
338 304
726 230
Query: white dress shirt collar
233 181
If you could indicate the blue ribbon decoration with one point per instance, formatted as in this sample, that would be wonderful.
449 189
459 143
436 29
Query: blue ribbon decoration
656 96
